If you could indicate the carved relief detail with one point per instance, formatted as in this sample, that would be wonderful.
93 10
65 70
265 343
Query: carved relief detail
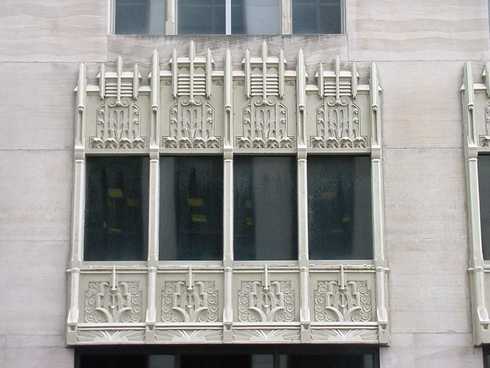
189 301
266 301
113 302
336 301
345 335
189 336
191 125
338 125
118 126
485 139
265 125
118 336
260 335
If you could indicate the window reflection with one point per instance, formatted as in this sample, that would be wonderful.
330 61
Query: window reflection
201 16
191 201
317 16
265 222
256 17
116 208
339 207
140 16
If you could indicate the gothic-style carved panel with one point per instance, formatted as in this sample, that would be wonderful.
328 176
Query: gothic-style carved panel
191 125
184 302
118 126
338 125
113 302
260 301
337 302
265 125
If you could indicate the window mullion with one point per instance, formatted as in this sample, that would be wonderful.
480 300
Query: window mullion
286 17
171 15
228 16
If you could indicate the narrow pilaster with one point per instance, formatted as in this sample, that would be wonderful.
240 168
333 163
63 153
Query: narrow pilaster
154 195
378 206
78 218
303 255
287 17
170 22
228 202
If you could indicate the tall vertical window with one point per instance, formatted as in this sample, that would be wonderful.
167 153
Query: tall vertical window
265 220
201 16
484 188
317 16
255 17
339 207
191 208
140 16
116 209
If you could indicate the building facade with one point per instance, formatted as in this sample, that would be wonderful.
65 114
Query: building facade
335 184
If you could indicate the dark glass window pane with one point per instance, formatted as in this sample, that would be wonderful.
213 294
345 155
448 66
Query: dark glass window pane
265 221
317 16
191 208
484 182
339 207
255 17
202 16
140 16
112 361
116 209
352 360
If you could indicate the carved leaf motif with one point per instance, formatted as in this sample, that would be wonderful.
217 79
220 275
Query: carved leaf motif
261 335
191 125
265 125
338 125
260 303
336 303
345 335
118 126
110 336
195 303
107 303
189 336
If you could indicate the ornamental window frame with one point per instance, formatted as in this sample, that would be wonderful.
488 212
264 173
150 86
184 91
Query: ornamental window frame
148 302
170 20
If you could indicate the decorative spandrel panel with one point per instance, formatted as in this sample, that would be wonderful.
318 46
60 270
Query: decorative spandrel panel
264 103
344 297
191 98
117 115
191 297
338 114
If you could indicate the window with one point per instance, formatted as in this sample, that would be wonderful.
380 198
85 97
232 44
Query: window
265 221
239 357
191 208
116 209
339 207
140 16
484 188
317 16
253 17
202 16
